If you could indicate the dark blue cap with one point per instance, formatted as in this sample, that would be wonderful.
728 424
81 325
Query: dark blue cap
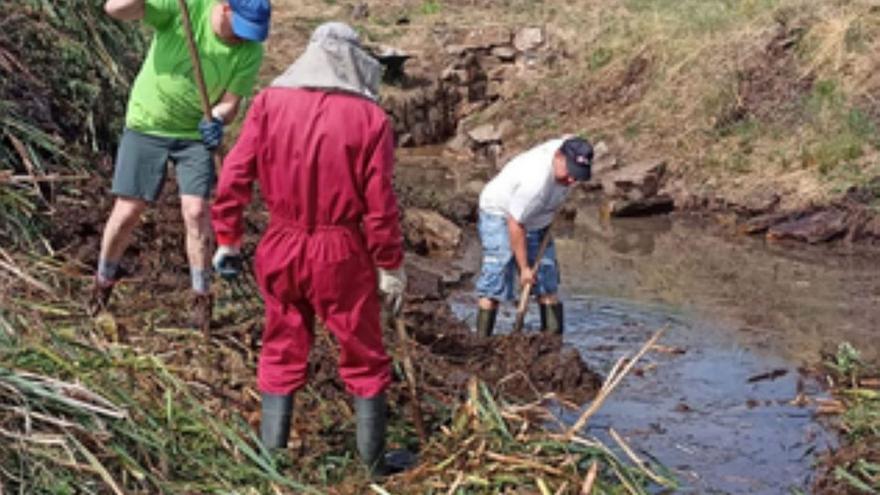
250 19
578 158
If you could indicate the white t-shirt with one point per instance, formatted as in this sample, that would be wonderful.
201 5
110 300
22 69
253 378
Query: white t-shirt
526 188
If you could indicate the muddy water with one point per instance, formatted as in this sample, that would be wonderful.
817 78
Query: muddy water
715 407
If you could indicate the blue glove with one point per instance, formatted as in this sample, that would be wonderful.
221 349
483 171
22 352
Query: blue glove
212 132
227 262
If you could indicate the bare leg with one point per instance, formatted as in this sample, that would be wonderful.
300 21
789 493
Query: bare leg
197 220
117 233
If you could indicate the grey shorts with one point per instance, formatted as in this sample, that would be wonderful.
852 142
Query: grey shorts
142 161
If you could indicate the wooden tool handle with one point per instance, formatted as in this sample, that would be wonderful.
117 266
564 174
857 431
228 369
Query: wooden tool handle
527 288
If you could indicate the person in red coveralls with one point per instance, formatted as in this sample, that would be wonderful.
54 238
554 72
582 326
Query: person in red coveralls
322 151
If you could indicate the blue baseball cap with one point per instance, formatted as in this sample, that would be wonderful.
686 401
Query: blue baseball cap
578 158
250 19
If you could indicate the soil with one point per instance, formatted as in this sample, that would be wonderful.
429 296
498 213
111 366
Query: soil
151 304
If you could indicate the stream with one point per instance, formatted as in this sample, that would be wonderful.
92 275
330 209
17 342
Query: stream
716 404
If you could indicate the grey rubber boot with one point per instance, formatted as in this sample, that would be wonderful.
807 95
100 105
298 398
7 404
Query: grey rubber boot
275 420
552 318
372 419
486 322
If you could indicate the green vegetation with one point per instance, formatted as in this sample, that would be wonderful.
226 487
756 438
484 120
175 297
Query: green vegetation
858 470
431 7
64 73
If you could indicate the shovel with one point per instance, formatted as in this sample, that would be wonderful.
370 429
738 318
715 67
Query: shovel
197 69
527 288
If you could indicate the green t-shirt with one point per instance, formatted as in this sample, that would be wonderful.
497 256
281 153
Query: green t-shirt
165 99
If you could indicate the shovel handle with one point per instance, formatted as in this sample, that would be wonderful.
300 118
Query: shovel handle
527 288
194 57
197 70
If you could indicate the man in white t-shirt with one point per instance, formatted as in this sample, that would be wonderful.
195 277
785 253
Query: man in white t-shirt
516 208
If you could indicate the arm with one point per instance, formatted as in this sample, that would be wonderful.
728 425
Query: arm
125 10
236 178
517 232
382 217
227 108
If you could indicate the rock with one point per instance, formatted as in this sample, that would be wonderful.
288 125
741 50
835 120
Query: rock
486 37
603 161
813 228
485 134
634 182
504 53
422 284
429 232
447 272
473 188
871 229
460 142
762 223
600 149
454 75
506 128
527 39
656 205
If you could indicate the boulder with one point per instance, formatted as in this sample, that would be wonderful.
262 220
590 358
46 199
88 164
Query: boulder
487 37
634 182
430 232
485 134
762 223
504 53
813 228
528 39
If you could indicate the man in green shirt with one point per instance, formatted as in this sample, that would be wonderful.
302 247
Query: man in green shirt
165 123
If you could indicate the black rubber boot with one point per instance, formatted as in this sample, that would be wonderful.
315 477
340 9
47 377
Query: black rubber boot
372 419
551 318
275 420
486 322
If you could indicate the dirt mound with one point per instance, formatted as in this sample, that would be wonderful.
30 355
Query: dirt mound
521 366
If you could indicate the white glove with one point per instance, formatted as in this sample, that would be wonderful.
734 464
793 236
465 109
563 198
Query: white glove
391 286
227 261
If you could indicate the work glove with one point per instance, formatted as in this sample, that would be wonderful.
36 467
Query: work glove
227 262
212 132
391 286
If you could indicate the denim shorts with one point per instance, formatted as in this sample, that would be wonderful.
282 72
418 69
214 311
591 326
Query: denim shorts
499 273
142 161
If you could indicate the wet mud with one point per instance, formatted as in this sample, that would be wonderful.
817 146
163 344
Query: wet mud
150 306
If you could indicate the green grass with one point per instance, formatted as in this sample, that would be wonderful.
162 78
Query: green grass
861 420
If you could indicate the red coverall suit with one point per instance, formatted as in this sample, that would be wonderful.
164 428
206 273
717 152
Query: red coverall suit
324 161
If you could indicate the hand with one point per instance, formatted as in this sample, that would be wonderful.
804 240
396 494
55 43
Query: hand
227 262
391 286
526 277
212 132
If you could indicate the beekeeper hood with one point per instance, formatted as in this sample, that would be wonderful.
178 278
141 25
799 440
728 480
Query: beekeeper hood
334 60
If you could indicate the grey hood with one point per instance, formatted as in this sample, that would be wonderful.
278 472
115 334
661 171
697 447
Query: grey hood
334 60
